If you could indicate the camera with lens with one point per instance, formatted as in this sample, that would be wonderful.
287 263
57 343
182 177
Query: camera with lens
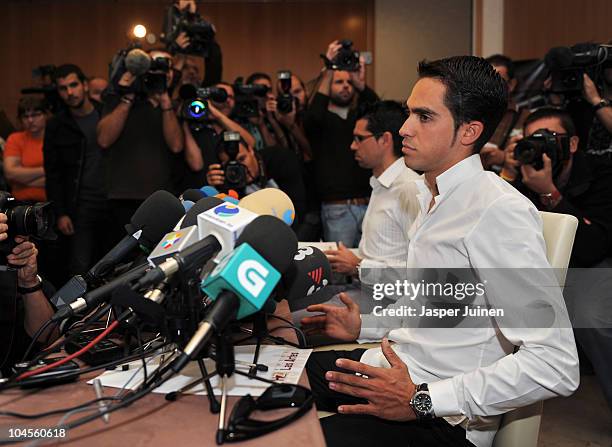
200 33
151 74
247 104
46 74
195 104
529 150
235 172
347 58
284 100
568 64
26 219
154 81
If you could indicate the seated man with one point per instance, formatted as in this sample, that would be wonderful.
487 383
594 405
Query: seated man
377 145
448 386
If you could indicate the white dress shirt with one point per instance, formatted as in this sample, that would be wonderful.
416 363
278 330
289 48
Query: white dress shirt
391 211
478 221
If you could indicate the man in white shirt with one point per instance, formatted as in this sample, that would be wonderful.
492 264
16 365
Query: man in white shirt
377 145
441 386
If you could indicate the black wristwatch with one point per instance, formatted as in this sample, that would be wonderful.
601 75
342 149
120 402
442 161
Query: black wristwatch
421 403
601 104
26 290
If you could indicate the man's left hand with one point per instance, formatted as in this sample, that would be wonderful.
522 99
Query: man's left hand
387 390
343 260
358 77
540 181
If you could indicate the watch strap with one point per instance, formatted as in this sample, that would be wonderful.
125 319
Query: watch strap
26 290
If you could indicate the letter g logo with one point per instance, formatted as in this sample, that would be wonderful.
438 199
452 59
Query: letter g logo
252 275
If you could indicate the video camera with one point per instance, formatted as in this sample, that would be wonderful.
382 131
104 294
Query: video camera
195 109
568 64
235 172
284 100
25 219
529 150
46 74
347 59
200 32
150 73
247 105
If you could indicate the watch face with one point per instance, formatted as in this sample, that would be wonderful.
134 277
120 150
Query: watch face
422 403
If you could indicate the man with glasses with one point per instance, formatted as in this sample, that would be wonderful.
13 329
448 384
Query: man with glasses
377 145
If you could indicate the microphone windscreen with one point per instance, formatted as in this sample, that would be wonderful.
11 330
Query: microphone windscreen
270 202
308 273
272 239
191 218
558 58
156 216
193 194
137 62
209 191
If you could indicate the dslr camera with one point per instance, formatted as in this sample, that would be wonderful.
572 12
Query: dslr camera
235 172
247 105
195 109
200 32
347 58
284 100
25 219
529 150
568 64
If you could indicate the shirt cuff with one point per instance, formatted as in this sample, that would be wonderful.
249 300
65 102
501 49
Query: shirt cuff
371 330
444 398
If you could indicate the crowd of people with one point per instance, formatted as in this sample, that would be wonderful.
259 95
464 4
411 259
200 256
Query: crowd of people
350 163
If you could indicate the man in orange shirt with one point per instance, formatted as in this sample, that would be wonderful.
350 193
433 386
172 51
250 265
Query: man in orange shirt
23 156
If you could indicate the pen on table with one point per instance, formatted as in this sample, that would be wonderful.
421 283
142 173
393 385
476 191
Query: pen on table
98 389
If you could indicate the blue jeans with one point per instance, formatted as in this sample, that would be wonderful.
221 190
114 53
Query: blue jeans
342 223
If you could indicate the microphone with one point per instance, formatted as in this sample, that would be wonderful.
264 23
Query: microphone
187 204
272 202
137 62
209 191
192 194
308 273
243 281
153 218
201 205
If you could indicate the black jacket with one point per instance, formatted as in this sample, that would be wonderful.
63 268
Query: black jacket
64 149
588 197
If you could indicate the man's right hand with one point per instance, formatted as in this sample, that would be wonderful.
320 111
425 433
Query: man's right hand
338 322
126 79
3 227
64 224
215 175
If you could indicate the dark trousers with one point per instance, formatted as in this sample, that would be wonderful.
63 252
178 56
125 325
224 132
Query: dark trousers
352 430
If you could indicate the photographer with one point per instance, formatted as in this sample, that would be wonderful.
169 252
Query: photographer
181 15
269 168
341 184
33 308
568 181
140 135
600 132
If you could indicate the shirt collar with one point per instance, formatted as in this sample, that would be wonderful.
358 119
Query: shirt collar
387 178
458 173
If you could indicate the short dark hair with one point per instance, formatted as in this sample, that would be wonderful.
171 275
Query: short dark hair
474 92
64 70
553 112
385 116
35 103
502 61
257 76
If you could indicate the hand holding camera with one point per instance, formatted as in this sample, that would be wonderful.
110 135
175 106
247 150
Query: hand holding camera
3 227
215 175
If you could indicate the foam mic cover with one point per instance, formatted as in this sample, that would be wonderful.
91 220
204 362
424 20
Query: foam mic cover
187 91
156 216
209 191
272 239
308 273
187 204
558 58
192 194
270 202
191 218
137 62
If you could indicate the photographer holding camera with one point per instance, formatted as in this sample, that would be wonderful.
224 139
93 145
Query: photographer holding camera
343 187
140 135
246 170
548 168
33 308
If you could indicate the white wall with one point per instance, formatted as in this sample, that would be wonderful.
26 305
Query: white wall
407 31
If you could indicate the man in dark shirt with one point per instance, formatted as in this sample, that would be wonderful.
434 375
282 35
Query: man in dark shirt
343 187
74 171
140 135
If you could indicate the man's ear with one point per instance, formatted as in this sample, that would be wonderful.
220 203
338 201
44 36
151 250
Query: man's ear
387 139
470 132
573 144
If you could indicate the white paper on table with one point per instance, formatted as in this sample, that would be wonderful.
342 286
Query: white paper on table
323 246
285 364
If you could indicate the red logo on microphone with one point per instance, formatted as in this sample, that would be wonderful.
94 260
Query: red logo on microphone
316 275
